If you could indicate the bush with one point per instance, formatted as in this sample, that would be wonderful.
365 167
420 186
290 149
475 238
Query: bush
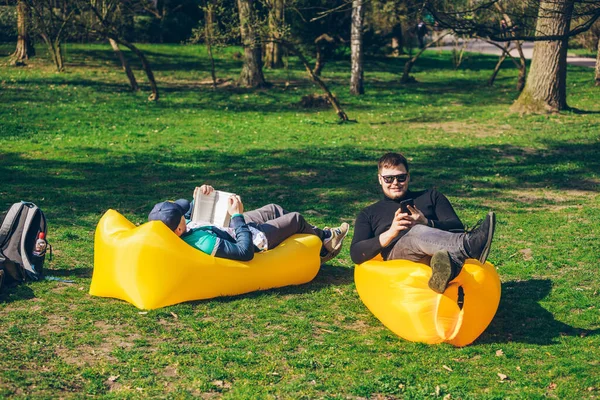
8 24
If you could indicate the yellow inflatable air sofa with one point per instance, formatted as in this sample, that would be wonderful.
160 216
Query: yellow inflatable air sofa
396 292
151 267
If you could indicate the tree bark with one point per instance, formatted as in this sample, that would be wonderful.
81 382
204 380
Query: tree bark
506 53
55 51
406 78
523 63
209 30
25 47
145 64
125 64
499 64
332 99
252 74
545 89
522 67
397 40
323 43
273 53
356 45
598 64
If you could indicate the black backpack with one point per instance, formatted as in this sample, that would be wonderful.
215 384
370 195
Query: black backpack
18 236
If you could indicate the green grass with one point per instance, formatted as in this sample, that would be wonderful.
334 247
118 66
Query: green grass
583 53
79 143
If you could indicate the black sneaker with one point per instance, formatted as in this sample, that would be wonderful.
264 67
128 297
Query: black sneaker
442 271
479 240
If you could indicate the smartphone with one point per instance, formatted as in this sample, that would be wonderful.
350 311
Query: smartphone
404 205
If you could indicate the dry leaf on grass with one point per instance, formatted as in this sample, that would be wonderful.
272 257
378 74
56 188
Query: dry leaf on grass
499 353
552 386
447 368
174 315
503 377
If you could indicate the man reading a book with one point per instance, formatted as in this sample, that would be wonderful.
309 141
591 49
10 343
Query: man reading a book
248 232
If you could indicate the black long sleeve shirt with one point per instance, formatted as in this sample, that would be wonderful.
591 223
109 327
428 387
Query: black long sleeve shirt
377 218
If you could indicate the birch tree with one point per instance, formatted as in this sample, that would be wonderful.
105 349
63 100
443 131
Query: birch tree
356 45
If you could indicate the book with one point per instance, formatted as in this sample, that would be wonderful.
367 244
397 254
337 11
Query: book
211 209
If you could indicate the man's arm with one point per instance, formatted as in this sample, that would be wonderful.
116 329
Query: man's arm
446 216
364 243
243 248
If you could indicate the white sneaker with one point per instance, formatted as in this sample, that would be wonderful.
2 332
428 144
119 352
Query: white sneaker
333 244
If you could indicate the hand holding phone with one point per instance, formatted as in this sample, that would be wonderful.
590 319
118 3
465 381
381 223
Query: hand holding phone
404 205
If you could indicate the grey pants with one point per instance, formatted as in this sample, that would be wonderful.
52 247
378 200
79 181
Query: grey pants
279 224
422 241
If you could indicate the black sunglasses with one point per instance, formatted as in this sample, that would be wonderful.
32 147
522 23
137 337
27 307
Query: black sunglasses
390 178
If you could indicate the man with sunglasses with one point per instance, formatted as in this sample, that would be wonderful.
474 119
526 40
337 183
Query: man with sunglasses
427 231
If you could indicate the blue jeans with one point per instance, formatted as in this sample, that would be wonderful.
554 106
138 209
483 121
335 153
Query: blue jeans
422 241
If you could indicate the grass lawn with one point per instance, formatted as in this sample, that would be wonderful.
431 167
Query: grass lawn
583 53
78 143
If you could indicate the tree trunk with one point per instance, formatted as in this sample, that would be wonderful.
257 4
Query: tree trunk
499 64
332 99
145 64
125 64
252 74
25 47
55 52
397 40
209 30
324 44
273 54
406 78
522 67
598 64
545 89
356 45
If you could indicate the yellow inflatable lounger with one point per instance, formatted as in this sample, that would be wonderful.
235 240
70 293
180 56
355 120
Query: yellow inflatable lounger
151 267
396 292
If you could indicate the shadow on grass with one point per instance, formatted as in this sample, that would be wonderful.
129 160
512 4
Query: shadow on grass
299 179
521 318
15 292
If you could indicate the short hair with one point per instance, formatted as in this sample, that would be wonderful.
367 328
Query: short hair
389 160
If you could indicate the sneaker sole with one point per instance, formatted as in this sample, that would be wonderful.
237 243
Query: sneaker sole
486 249
441 272
330 256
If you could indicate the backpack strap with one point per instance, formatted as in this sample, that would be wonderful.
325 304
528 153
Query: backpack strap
27 264
10 221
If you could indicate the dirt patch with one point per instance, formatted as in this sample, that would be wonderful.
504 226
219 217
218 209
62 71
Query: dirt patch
551 199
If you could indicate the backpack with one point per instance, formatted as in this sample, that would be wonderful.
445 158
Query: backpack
18 235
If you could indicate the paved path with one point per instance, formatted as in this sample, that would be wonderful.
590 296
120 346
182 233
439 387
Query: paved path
479 46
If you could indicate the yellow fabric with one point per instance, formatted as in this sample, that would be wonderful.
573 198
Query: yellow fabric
396 292
150 267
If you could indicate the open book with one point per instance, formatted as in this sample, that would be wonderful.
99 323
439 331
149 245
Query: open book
211 209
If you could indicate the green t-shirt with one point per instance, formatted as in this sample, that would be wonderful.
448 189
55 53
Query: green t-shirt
204 240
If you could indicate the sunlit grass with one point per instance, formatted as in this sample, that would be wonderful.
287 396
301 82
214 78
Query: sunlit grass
79 143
